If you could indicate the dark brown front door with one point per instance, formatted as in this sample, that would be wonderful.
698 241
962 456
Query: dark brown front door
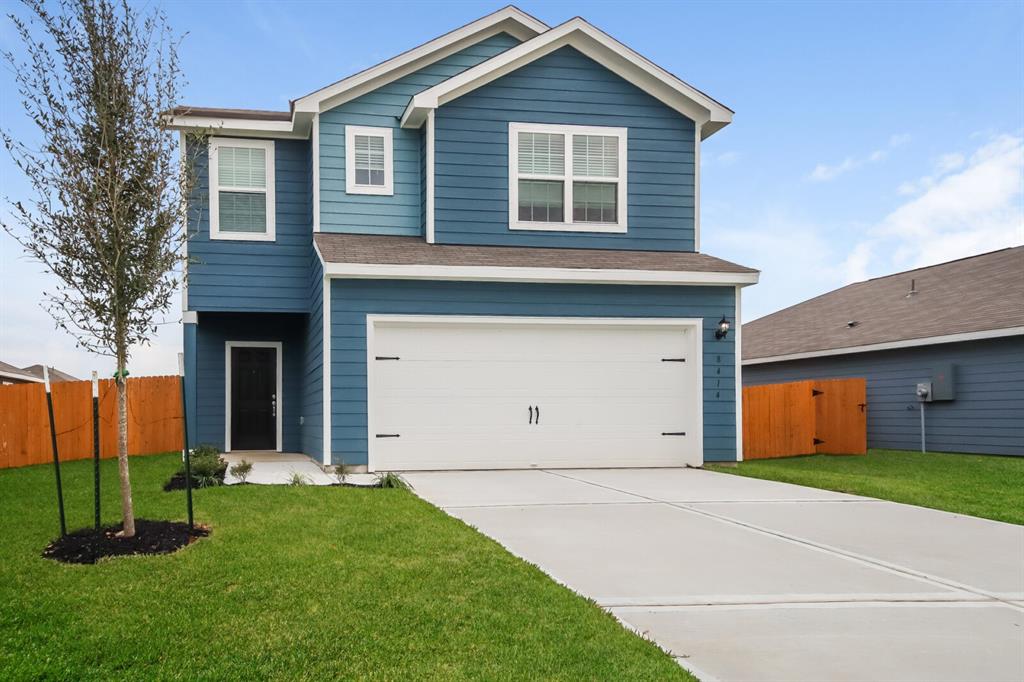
253 398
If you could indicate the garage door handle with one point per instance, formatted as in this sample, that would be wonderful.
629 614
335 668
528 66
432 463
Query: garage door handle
537 421
531 414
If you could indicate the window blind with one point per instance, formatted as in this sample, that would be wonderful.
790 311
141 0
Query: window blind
542 153
595 156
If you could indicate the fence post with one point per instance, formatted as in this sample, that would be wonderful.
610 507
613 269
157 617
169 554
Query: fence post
56 457
184 439
96 445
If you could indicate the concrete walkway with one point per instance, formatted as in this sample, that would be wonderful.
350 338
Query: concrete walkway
279 468
743 579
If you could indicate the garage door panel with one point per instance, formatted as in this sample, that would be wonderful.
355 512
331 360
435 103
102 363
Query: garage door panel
458 394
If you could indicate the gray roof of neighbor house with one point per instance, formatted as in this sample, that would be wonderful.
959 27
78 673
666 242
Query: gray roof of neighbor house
982 293
55 374
9 371
385 250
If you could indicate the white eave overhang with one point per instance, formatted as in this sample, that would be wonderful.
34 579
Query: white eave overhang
709 115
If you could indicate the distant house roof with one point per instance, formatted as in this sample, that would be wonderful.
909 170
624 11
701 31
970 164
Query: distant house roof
55 374
10 373
976 297
356 255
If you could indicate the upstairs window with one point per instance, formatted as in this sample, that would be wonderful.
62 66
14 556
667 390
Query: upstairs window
241 189
567 178
369 164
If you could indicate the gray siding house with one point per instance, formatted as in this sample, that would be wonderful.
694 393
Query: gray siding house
957 327
482 253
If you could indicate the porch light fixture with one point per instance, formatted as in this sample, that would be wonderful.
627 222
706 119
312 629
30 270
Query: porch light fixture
723 328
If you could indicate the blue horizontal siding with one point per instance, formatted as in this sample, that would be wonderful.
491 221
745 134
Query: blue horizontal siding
564 87
313 369
986 416
401 214
352 300
231 276
213 330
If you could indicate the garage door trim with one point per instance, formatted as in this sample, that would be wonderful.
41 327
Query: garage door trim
375 320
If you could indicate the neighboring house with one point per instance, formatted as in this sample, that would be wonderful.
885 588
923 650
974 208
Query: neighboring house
33 374
958 326
482 253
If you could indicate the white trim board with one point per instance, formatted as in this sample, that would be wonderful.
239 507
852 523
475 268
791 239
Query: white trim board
892 345
710 115
326 446
696 324
737 359
475 273
278 346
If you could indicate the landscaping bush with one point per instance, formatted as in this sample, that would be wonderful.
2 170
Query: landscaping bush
241 470
392 480
208 469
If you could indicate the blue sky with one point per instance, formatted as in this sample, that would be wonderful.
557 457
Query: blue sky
868 137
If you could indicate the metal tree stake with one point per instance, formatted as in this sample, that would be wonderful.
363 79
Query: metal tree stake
184 439
96 446
56 457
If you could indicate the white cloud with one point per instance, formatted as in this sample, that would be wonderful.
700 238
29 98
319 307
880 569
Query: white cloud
950 162
976 209
824 172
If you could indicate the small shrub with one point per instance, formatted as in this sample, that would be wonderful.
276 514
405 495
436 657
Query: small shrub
297 479
392 480
241 470
341 471
207 466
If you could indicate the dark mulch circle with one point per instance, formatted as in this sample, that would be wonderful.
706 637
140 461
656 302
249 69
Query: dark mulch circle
87 546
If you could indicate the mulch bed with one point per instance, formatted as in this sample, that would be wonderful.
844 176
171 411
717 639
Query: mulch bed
87 546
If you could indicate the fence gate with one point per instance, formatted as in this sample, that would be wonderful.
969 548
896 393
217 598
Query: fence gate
805 418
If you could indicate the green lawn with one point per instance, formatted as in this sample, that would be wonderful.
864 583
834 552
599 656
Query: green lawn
979 485
296 583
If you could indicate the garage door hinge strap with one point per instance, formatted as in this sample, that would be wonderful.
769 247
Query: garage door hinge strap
673 433
387 435
673 359
386 357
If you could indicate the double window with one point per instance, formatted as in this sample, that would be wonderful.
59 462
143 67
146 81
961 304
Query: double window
369 161
241 189
567 178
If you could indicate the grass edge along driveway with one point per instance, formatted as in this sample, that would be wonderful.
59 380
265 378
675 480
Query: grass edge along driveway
988 486
294 582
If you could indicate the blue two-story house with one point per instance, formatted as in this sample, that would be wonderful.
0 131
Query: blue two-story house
483 253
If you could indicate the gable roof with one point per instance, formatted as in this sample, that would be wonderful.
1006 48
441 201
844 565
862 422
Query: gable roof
12 373
709 114
55 374
975 297
297 121
539 40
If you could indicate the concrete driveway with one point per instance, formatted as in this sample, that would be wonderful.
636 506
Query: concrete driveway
742 579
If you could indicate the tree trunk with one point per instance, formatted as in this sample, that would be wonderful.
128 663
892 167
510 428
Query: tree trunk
127 513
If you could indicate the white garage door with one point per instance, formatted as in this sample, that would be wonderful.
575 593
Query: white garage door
509 393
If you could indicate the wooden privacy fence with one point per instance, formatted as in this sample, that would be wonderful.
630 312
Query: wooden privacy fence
805 418
154 419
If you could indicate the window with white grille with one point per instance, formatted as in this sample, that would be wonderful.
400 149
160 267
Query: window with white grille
567 178
369 160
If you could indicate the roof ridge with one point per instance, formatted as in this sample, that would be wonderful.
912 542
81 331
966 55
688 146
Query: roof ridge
938 265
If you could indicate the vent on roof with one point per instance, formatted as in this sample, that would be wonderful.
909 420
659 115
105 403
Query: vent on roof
852 323
913 288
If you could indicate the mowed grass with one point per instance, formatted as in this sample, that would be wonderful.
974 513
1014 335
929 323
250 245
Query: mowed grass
293 583
980 485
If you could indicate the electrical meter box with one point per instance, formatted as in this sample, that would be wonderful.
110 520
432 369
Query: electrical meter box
924 391
944 382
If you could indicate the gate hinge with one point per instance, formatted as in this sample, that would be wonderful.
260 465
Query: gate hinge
815 393
818 441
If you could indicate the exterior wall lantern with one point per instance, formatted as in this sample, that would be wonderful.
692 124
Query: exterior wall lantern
723 328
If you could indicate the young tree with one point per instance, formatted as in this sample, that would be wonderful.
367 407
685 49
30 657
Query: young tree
105 214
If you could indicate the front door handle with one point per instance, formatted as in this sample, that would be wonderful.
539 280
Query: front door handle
273 404
531 414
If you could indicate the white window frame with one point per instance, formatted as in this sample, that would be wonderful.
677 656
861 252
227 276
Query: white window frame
388 188
215 189
567 225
